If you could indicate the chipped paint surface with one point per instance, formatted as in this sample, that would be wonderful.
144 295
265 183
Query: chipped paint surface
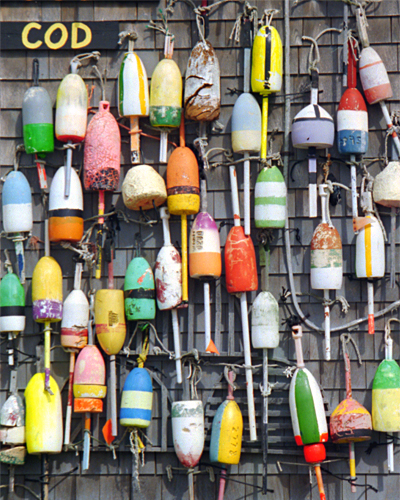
202 84
168 277
188 431
350 422
240 262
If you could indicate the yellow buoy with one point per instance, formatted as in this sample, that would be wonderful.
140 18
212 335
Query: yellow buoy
109 313
43 420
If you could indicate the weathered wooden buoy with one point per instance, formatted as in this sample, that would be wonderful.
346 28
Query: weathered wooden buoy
102 156
43 427
240 262
270 198
37 117
89 380
137 399
188 431
71 109
204 248
326 261
102 163
183 189
246 125
265 321
307 413
65 213
168 277
370 253
143 188
350 422
133 96
139 291
110 322
386 190
17 203
313 128
12 304
166 96
202 84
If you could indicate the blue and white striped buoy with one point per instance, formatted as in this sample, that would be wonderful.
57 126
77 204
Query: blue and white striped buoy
137 399
17 203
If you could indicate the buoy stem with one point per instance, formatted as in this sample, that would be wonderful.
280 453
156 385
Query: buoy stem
353 176
348 377
164 214
113 395
68 171
246 195
185 291
222 482
352 66
235 195
371 319
265 422
312 182
68 415
203 195
182 142
47 340
390 454
99 243
207 315
78 276
352 460
135 139
86 442
248 370
320 483
327 317
163 147
264 128
177 345
297 334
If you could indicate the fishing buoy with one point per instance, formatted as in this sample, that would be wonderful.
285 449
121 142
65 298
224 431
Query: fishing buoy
133 95
307 413
102 163
168 277
370 251
44 429
166 96
246 125
265 321
188 431
202 84
385 392
226 434
313 128
17 203
204 248
374 77
37 117
139 291
65 213
110 323
240 262
352 123
143 188
89 380
71 114
386 190
326 261
183 189
205 259
350 422
270 198
12 304
47 291
137 399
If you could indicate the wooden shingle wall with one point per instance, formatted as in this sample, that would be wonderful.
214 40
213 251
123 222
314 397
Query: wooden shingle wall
111 478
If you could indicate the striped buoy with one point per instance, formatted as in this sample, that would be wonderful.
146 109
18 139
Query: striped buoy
137 399
246 125
89 381
204 248
313 126
133 87
74 323
374 77
43 418
139 290
65 212
166 95
370 250
326 258
270 198
385 397
188 431
12 304
352 123
47 297
267 61
17 203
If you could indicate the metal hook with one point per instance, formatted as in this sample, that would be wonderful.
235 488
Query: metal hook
388 330
76 62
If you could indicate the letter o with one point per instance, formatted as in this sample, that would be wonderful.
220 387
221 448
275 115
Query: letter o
50 31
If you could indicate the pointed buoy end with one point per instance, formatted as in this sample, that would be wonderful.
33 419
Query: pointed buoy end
212 348
371 324
107 432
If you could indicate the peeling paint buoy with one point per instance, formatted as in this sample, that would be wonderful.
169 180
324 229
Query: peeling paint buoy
139 291
188 431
